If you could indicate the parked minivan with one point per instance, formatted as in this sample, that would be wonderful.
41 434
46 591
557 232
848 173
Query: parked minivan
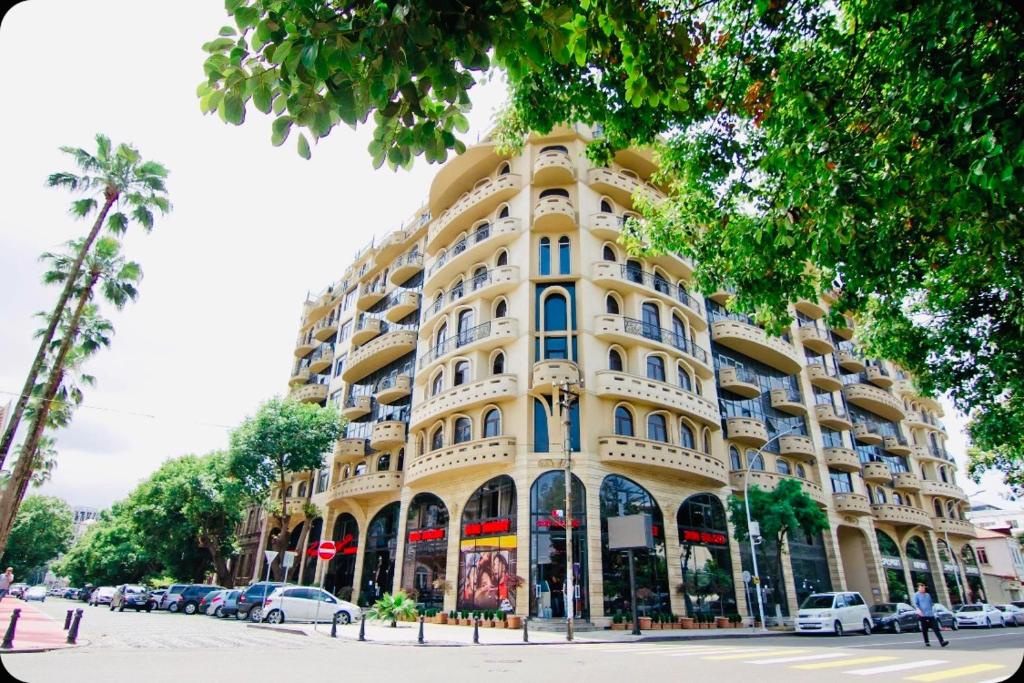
834 613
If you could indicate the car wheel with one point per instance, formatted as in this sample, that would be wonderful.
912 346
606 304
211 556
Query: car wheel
241 616
172 608
344 618
838 627
219 612
149 608
256 614
190 608
121 608
275 617
867 627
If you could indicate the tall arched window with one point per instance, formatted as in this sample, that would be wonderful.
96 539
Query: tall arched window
606 206
479 277
457 291
704 556
544 262
656 368
623 421
634 271
608 253
379 554
611 305
800 471
614 360
755 460
556 319
498 364
897 498
463 430
505 168
782 467
461 374
492 423
501 309
540 427
942 473
384 463
502 259
564 256
426 549
466 321
442 334
657 429
437 439
706 438
686 436
487 547
734 459
651 320
880 495
684 378
938 508
437 385
401 459
302 489
482 232
679 328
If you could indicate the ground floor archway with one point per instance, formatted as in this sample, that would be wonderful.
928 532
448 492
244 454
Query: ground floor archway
855 555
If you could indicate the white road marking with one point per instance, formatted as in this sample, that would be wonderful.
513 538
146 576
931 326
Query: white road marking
896 667
802 658
953 640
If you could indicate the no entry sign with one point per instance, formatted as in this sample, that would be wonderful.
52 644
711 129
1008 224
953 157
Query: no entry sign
326 550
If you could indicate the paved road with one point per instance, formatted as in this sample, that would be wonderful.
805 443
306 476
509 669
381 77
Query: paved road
164 647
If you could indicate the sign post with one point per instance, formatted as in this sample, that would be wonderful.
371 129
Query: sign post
628 532
270 556
326 551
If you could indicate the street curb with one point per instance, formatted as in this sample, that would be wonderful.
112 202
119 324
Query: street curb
641 640
15 651
278 629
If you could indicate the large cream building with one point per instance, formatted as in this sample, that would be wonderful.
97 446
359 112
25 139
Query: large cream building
445 345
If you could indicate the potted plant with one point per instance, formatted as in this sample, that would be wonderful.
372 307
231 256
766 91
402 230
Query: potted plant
618 622
514 621
502 620
736 620
393 608
722 622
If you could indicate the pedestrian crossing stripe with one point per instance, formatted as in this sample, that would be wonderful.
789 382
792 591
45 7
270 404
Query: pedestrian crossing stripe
954 673
698 653
744 655
896 667
844 662
799 658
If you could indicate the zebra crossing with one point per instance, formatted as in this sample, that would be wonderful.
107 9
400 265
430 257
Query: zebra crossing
811 659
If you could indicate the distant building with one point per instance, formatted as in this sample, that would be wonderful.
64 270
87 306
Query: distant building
84 517
249 532
992 517
1002 564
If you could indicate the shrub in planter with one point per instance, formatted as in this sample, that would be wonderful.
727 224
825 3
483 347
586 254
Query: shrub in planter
721 622
618 622
514 621
645 623
686 622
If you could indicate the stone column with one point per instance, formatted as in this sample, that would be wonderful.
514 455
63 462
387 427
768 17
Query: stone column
935 565
403 513
672 552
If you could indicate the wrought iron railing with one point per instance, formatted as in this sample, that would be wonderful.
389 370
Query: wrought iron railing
655 333
461 338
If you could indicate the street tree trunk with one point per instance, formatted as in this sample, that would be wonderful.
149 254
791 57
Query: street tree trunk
51 327
304 542
220 563
280 573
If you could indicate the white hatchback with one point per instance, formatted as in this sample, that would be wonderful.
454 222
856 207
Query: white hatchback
834 613
299 603
979 614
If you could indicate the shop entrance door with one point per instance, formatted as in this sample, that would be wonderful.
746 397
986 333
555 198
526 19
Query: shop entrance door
548 599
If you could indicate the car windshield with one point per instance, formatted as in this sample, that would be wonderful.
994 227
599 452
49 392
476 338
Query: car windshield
134 589
971 608
884 608
817 602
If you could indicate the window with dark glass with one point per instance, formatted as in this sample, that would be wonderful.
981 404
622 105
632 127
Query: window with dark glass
501 310
384 463
498 365
437 439
623 422
461 374
502 257
564 257
651 320
734 459
438 384
463 430
684 378
608 253
614 360
466 320
544 263
606 206
656 368
611 306
686 436
657 429
782 467
492 423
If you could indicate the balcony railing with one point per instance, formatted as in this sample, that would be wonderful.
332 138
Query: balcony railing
716 313
459 340
478 235
469 286
655 333
661 285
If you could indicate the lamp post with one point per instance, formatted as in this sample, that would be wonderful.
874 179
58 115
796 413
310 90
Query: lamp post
565 401
750 534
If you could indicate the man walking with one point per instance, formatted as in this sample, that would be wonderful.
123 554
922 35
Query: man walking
6 579
926 613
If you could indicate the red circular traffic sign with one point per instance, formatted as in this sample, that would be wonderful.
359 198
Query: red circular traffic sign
326 550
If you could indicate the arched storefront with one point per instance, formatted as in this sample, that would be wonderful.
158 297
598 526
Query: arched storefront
487 551
294 538
951 573
341 571
704 557
622 496
426 550
809 563
972 575
920 568
309 563
893 564
547 547
379 554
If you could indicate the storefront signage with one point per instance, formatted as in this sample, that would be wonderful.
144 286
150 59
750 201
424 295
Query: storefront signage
919 565
973 571
497 526
949 568
707 537
418 535
558 523
891 562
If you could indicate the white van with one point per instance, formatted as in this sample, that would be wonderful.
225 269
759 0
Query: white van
834 613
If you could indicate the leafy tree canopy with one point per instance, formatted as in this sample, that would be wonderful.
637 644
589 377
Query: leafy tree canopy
42 530
780 512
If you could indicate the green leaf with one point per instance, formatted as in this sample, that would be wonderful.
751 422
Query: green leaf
232 109
117 223
246 17
303 147
309 53
228 31
261 98
281 127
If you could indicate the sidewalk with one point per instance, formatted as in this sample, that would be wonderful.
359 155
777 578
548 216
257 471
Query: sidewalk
36 631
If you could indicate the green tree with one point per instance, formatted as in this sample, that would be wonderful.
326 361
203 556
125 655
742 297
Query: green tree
784 510
284 436
871 143
42 531
113 550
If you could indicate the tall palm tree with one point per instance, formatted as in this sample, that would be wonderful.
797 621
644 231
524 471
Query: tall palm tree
118 283
119 188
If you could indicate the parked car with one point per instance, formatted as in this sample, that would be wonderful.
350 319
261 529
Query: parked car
979 614
206 600
894 617
250 601
34 593
188 601
133 596
945 617
220 602
1012 615
102 596
169 600
156 597
55 592
834 613
300 603
71 593
17 589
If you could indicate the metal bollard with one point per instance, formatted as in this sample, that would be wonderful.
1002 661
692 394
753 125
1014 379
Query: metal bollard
334 625
362 628
420 639
526 629
9 636
73 633
67 619
476 630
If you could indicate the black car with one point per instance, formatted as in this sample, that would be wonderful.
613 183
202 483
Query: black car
188 601
250 601
945 618
895 617
131 596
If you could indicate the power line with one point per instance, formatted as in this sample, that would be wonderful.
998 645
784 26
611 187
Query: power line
120 411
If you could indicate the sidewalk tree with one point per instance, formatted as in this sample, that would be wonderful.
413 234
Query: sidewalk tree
113 550
42 531
866 142
283 437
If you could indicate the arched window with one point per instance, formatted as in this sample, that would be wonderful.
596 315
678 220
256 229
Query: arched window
698 387
554 192
706 437
461 374
608 253
502 259
288 492
466 321
481 232
611 305
660 283
441 336
463 430
800 471
457 291
700 519
498 364
686 436
782 467
437 385
555 148
501 309
384 463
606 206
651 319
623 421
938 508
684 378
564 260
360 469
880 495
897 498
942 473
425 560
479 277
679 328
437 439
347 472
556 319
755 461
657 429
634 271
614 360
302 489
505 168
655 368
492 423
544 262
734 459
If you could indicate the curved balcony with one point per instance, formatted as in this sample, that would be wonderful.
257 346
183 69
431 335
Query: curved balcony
851 504
897 445
823 378
879 376
812 309
906 481
349 450
916 419
619 186
941 488
682 462
815 338
369 294
628 331
377 353
622 385
325 328
767 481
309 393
390 247
461 458
293 505
304 346
474 247
845 329
300 377
404 268
474 205
867 433
368 485
829 416
366 329
797 445
402 304
483 337
752 341
746 430
393 388
553 167
321 360
851 361
356 406
606 226
925 453
464 397
623 278
900 515
842 459
954 527
740 381
788 401
488 285
548 374
552 214
387 434
878 401
877 472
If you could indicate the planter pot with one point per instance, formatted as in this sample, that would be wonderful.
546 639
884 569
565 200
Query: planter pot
721 622
738 624
686 622
514 622
441 619
645 623
618 627
628 625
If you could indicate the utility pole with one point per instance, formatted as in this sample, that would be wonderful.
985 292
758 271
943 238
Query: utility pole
565 402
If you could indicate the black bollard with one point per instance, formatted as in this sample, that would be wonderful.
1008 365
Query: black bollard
73 633
9 636
476 630
334 625
526 630
362 628
67 619
420 639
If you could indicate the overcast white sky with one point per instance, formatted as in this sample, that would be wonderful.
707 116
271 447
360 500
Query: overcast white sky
253 229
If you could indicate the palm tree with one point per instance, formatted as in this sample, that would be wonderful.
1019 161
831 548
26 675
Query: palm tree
118 279
392 608
130 190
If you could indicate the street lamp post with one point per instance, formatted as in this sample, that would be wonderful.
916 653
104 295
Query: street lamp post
565 402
